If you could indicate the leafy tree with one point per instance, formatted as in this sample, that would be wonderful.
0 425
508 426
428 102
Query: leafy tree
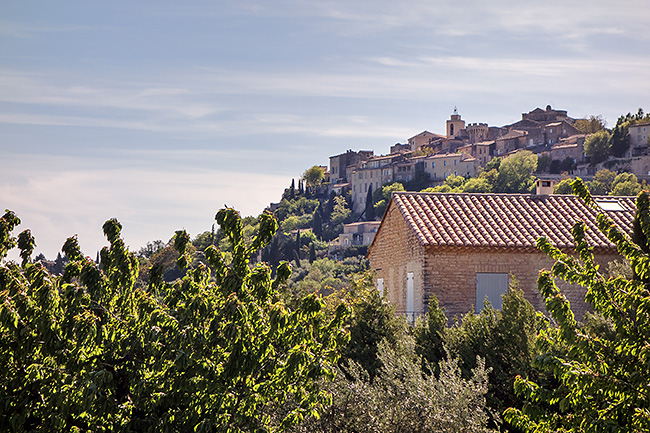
516 173
620 139
314 176
89 352
555 167
591 124
543 163
563 187
601 184
567 164
477 184
626 184
504 338
597 146
382 196
602 377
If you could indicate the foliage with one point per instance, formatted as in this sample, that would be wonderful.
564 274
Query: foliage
477 184
516 173
373 321
370 208
626 184
401 399
620 139
601 184
504 338
382 196
543 163
563 187
195 355
602 377
597 146
314 175
591 124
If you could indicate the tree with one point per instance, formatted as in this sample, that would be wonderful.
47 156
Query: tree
370 208
314 176
516 173
190 356
597 146
602 377
601 184
382 196
543 163
477 184
591 124
563 187
626 184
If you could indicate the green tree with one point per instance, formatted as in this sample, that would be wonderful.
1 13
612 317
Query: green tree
563 187
89 352
602 377
626 184
314 176
543 163
516 173
591 124
477 184
382 196
597 146
601 184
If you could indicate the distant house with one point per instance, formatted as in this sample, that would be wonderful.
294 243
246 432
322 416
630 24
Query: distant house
464 248
354 235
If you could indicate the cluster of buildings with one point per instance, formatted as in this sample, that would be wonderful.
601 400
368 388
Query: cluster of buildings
467 248
467 147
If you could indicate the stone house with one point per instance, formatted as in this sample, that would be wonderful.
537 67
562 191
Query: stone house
464 248
424 138
639 138
571 147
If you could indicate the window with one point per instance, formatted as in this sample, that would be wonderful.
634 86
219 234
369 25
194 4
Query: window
490 286
433 164
444 163
455 162
380 286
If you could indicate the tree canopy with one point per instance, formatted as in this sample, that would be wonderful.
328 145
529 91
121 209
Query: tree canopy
314 175
211 352
597 146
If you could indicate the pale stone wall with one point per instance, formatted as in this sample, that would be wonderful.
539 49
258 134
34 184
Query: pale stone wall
395 252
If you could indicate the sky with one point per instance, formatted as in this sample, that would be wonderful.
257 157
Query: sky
159 113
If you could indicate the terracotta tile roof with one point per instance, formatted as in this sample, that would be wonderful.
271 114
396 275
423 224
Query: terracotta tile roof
506 220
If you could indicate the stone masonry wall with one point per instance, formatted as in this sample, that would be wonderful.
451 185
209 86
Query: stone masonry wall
395 252
451 276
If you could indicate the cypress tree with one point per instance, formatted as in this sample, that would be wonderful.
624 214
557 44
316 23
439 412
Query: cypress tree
370 209
312 253
292 190
317 223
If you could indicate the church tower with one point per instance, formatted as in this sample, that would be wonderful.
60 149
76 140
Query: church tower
455 124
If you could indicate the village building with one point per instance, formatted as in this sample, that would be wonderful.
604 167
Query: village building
424 138
357 234
571 147
465 248
639 137
481 151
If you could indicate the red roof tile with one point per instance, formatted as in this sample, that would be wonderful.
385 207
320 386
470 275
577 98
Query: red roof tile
506 220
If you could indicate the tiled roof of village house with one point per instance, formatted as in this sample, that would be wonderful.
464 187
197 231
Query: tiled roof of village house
506 220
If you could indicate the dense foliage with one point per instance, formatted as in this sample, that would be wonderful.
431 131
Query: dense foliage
90 352
602 372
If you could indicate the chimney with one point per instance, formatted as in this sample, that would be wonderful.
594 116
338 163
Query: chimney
545 186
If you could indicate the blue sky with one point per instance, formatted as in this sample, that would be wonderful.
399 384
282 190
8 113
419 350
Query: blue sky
159 113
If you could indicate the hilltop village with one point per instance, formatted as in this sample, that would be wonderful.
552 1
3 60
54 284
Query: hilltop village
466 148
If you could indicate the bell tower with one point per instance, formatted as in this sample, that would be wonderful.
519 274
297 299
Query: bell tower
455 124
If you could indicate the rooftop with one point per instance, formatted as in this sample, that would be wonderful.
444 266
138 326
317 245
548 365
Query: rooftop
507 220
